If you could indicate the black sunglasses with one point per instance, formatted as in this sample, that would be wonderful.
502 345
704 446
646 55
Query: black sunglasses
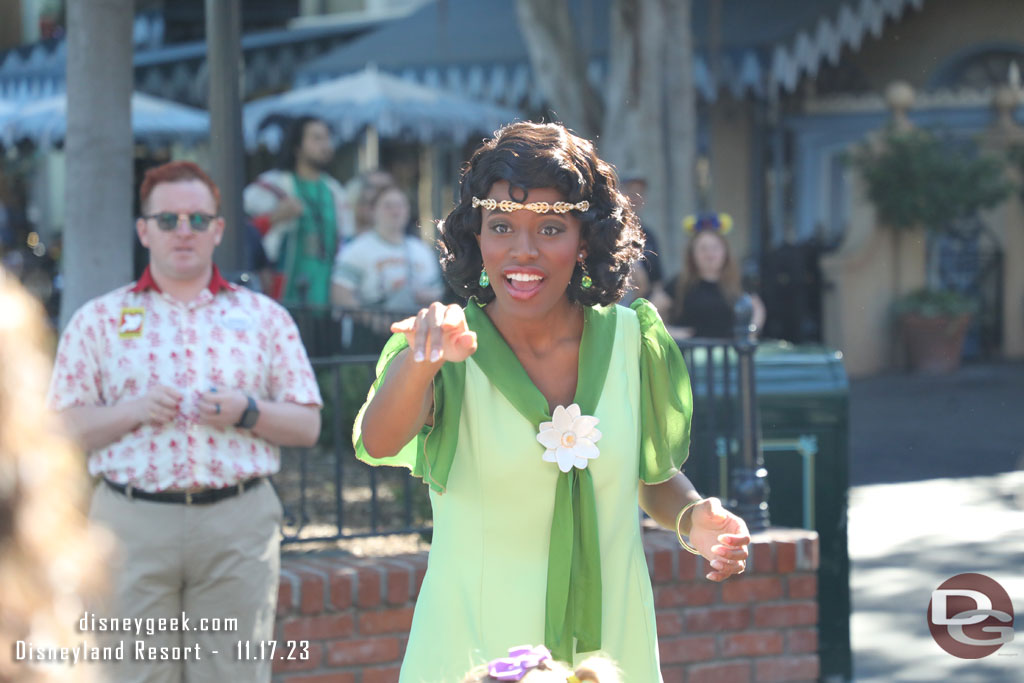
167 221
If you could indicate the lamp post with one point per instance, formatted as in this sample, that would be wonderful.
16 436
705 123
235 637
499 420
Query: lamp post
748 489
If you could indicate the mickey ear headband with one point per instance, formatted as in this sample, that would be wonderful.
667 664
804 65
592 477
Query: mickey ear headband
711 221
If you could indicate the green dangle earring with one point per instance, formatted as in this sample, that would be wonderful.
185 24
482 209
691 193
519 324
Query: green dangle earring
585 282
484 280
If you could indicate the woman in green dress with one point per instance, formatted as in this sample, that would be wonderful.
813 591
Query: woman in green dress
541 415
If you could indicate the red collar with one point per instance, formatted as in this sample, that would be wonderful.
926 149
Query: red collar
217 282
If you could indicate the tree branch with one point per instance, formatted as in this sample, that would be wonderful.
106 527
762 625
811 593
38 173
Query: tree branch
558 65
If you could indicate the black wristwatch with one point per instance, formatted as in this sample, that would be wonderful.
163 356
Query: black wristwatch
249 415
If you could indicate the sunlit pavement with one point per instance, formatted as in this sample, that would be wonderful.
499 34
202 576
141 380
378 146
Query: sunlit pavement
919 516
905 540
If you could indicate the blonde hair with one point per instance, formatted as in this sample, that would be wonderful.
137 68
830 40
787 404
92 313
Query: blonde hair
594 669
50 556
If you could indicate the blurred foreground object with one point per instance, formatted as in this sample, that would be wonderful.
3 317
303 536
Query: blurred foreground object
50 557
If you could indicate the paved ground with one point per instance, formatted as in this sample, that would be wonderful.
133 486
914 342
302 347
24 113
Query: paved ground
907 427
938 490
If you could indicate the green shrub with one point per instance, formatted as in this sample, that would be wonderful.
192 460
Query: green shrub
933 303
917 178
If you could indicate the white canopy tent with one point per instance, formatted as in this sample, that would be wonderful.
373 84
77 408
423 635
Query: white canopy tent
155 121
374 104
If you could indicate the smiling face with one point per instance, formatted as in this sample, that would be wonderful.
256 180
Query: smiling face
180 254
529 257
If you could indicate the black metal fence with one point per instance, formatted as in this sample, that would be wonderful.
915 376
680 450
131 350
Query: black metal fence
332 331
328 495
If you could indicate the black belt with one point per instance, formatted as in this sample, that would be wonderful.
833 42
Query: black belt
204 497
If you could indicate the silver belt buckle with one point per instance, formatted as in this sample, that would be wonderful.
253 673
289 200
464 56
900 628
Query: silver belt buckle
188 498
128 491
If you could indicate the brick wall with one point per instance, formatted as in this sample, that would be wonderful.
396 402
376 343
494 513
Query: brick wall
761 626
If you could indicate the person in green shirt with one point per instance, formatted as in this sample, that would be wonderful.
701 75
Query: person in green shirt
303 213
541 415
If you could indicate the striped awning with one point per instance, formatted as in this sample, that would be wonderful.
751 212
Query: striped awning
179 72
474 46
750 48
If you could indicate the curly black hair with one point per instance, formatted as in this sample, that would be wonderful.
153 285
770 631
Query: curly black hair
532 155
294 133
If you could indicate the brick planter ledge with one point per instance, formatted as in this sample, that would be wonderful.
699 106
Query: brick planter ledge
760 626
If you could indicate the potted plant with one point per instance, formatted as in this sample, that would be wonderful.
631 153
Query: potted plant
933 324
915 178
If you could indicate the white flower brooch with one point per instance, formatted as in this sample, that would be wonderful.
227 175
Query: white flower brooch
569 438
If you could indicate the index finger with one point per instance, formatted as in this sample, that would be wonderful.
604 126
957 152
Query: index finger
734 539
403 326
454 320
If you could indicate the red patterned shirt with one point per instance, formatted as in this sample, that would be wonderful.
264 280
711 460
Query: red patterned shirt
119 345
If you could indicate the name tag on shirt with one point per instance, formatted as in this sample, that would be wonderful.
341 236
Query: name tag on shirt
236 320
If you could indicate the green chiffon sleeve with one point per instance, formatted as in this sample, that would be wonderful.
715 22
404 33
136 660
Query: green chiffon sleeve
666 402
429 455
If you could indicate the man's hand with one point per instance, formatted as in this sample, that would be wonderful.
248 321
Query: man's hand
720 536
221 408
159 405
287 209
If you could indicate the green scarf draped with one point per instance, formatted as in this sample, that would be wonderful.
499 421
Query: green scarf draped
573 602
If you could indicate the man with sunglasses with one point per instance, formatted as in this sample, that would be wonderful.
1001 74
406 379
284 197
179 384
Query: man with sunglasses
182 387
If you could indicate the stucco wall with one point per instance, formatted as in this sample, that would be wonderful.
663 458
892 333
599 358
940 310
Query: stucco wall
917 46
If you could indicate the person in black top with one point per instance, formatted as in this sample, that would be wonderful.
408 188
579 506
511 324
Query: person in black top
703 295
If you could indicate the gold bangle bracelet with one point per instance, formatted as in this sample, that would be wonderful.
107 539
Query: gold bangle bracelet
679 532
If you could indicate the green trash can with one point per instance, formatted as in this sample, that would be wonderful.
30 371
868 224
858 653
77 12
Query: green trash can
803 400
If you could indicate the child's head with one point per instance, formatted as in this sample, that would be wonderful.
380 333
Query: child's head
535 665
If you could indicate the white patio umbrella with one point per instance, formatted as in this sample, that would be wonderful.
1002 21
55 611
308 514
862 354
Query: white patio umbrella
377 104
7 109
154 121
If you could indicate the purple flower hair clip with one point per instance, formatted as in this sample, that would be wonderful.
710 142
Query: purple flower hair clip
519 661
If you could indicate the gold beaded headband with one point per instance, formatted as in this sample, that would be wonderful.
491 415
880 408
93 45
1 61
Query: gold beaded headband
507 206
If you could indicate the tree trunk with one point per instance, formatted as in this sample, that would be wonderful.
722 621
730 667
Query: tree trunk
98 230
650 121
622 90
681 115
651 132
558 65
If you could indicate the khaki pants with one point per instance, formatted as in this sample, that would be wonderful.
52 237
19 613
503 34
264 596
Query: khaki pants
208 564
